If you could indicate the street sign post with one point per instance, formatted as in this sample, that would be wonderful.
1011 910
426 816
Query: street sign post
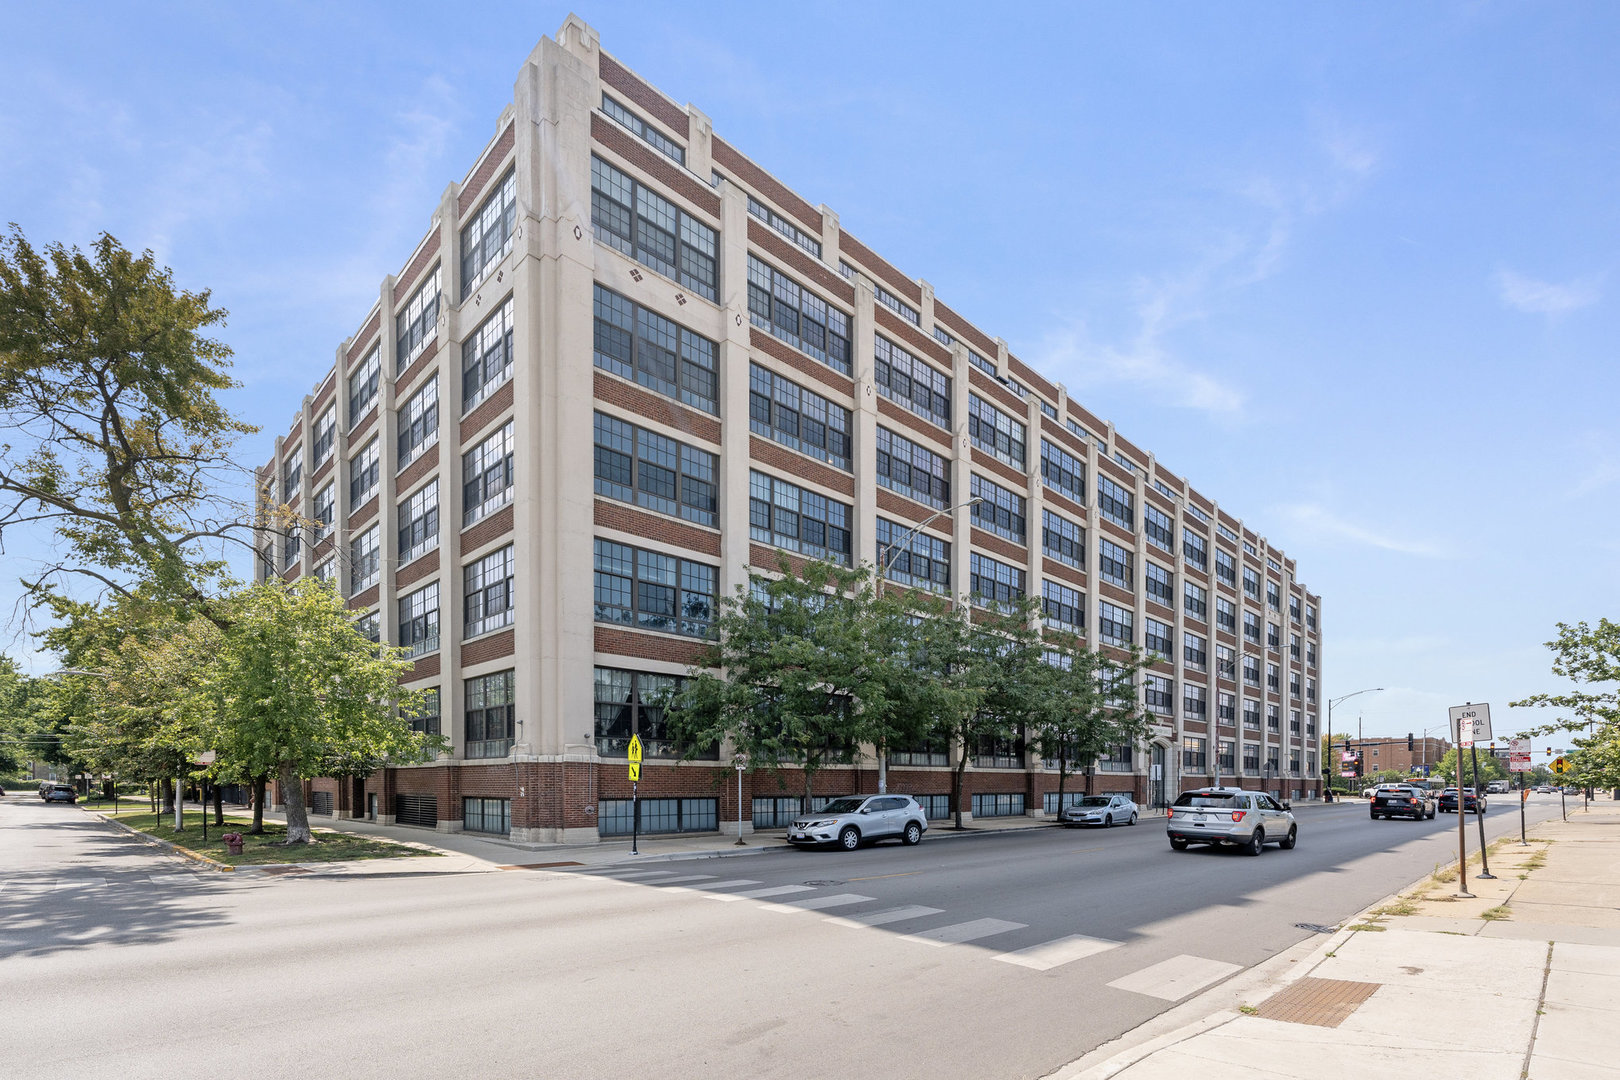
1560 767
1470 723
634 754
1519 762
741 762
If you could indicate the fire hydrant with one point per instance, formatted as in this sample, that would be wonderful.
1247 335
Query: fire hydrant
233 842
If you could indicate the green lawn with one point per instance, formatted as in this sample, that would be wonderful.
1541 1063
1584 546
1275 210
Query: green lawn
329 846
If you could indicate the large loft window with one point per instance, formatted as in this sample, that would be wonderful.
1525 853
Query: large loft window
419 423
486 476
994 432
1115 503
486 357
638 344
419 523
638 466
490 719
998 510
325 435
896 305
1063 472
325 511
1063 608
487 600
419 620
364 473
365 560
786 309
912 470
417 322
630 217
1063 539
994 583
653 591
624 708
1116 624
1114 563
799 419
1157 525
488 236
363 382
787 516
924 562
644 131
913 383
784 226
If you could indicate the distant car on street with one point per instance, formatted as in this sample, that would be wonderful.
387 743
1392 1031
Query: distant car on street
1104 810
1230 817
853 820
1400 800
1472 803
58 792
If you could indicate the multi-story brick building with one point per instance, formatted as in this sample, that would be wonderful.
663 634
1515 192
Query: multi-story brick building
1380 754
615 286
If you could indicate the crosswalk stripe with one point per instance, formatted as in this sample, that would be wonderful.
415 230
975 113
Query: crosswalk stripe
760 894
1175 978
685 877
879 918
624 875
817 903
735 883
957 933
1051 954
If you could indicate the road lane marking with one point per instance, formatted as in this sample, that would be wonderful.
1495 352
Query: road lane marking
879 918
1051 954
760 894
817 903
1175 978
957 933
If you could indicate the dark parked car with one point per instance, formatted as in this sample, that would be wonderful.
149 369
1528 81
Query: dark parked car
1472 803
58 792
1409 802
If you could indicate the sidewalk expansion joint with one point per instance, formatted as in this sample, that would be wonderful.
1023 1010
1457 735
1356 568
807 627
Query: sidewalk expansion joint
1541 1005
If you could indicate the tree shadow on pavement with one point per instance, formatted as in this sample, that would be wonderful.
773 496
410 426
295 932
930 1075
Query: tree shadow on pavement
71 908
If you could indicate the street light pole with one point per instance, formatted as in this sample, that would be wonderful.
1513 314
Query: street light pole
885 562
1334 701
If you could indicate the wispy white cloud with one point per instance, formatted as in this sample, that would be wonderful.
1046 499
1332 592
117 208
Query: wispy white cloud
1332 166
1546 297
1599 464
1316 520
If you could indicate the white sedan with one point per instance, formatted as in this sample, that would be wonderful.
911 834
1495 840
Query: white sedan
1104 810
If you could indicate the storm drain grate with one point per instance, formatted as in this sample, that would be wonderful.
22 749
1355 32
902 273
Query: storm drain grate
1321 1002
1317 928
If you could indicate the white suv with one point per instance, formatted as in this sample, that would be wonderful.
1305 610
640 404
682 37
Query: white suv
853 819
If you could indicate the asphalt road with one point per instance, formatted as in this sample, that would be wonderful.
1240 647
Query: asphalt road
1001 955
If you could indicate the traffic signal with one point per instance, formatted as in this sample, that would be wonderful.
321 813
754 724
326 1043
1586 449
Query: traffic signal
1358 764
1409 742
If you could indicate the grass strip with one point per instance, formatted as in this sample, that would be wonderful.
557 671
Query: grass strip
271 847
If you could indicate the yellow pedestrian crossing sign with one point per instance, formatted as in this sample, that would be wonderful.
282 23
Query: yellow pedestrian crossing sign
1560 765
635 759
635 772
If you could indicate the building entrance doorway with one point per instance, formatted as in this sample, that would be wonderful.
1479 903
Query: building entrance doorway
1156 777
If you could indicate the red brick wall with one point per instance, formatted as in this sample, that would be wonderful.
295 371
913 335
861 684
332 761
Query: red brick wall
764 342
977 339
729 160
648 646
360 517
638 93
426 463
878 268
425 667
407 382
990 542
487 531
362 600
664 172
903 333
894 414
985 462
797 465
628 396
494 163
366 338
484 416
993 391
613 515
793 259
358 432
406 284
417 569
485 649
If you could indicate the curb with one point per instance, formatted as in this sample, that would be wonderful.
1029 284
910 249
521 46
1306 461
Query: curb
183 852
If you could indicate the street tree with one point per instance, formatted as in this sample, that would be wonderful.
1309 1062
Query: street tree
111 431
1490 768
791 678
295 686
1087 707
1589 657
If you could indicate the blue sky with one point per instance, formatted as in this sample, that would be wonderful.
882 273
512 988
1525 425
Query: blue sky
1350 269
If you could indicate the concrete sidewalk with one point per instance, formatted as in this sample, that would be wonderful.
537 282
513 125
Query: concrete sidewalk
1522 980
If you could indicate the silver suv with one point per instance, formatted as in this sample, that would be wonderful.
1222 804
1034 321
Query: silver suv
853 819
1232 817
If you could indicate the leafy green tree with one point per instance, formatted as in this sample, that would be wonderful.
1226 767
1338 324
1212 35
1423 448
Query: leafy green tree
1490 768
295 686
1084 709
1589 657
111 433
798 681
